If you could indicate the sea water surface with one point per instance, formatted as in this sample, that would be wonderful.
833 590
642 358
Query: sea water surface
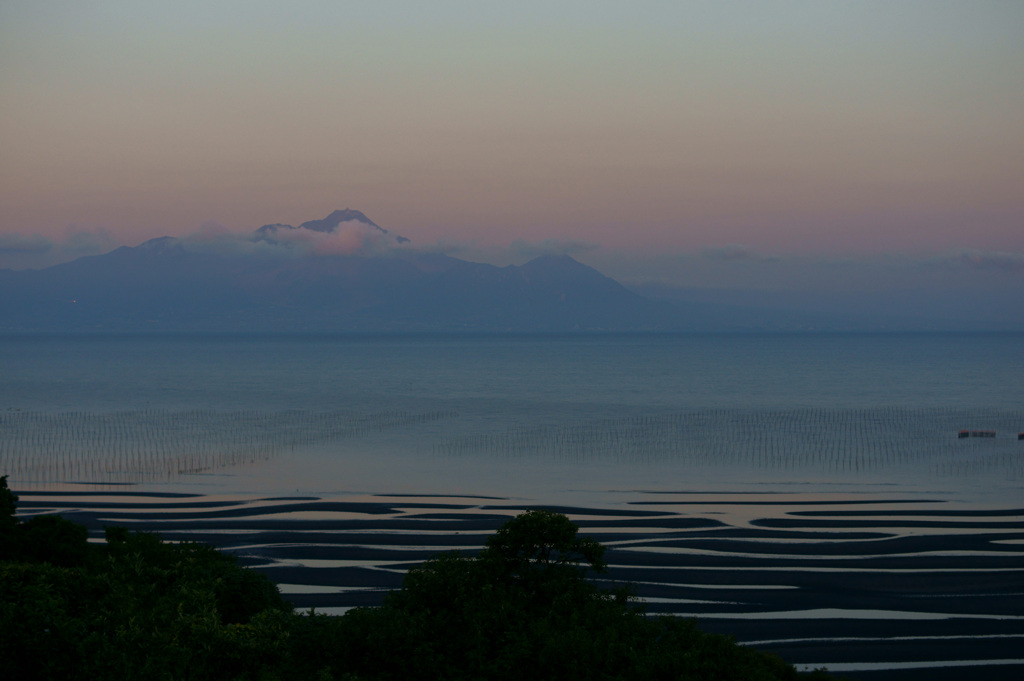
532 416
807 494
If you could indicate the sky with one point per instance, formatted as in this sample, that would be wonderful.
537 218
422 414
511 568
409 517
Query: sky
758 145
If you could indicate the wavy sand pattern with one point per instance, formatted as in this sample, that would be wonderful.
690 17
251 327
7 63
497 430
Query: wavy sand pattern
871 586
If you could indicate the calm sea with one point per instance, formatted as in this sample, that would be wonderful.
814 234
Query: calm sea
586 418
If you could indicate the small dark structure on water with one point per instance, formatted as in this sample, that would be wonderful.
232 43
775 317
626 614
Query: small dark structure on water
982 433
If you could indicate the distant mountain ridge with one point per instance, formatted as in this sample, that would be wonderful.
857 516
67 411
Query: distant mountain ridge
346 274
171 285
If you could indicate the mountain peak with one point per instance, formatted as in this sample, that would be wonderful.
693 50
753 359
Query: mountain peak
160 245
331 222
556 262
555 258
327 225
159 242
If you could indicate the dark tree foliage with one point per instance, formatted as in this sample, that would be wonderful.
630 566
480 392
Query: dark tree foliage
524 608
9 547
133 608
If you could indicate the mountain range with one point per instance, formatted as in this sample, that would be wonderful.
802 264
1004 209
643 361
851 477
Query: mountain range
346 274
280 279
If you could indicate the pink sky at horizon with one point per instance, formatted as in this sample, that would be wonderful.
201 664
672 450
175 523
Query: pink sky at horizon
789 128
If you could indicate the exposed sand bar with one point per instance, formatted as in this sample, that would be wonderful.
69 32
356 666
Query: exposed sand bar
901 589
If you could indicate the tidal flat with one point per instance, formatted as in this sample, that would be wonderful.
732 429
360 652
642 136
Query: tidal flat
873 586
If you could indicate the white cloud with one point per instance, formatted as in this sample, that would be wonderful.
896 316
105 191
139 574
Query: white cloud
348 238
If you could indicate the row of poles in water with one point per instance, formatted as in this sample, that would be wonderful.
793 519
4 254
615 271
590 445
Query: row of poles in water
823 439
132 446
128 446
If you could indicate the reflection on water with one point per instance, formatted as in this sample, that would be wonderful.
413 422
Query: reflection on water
846 667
